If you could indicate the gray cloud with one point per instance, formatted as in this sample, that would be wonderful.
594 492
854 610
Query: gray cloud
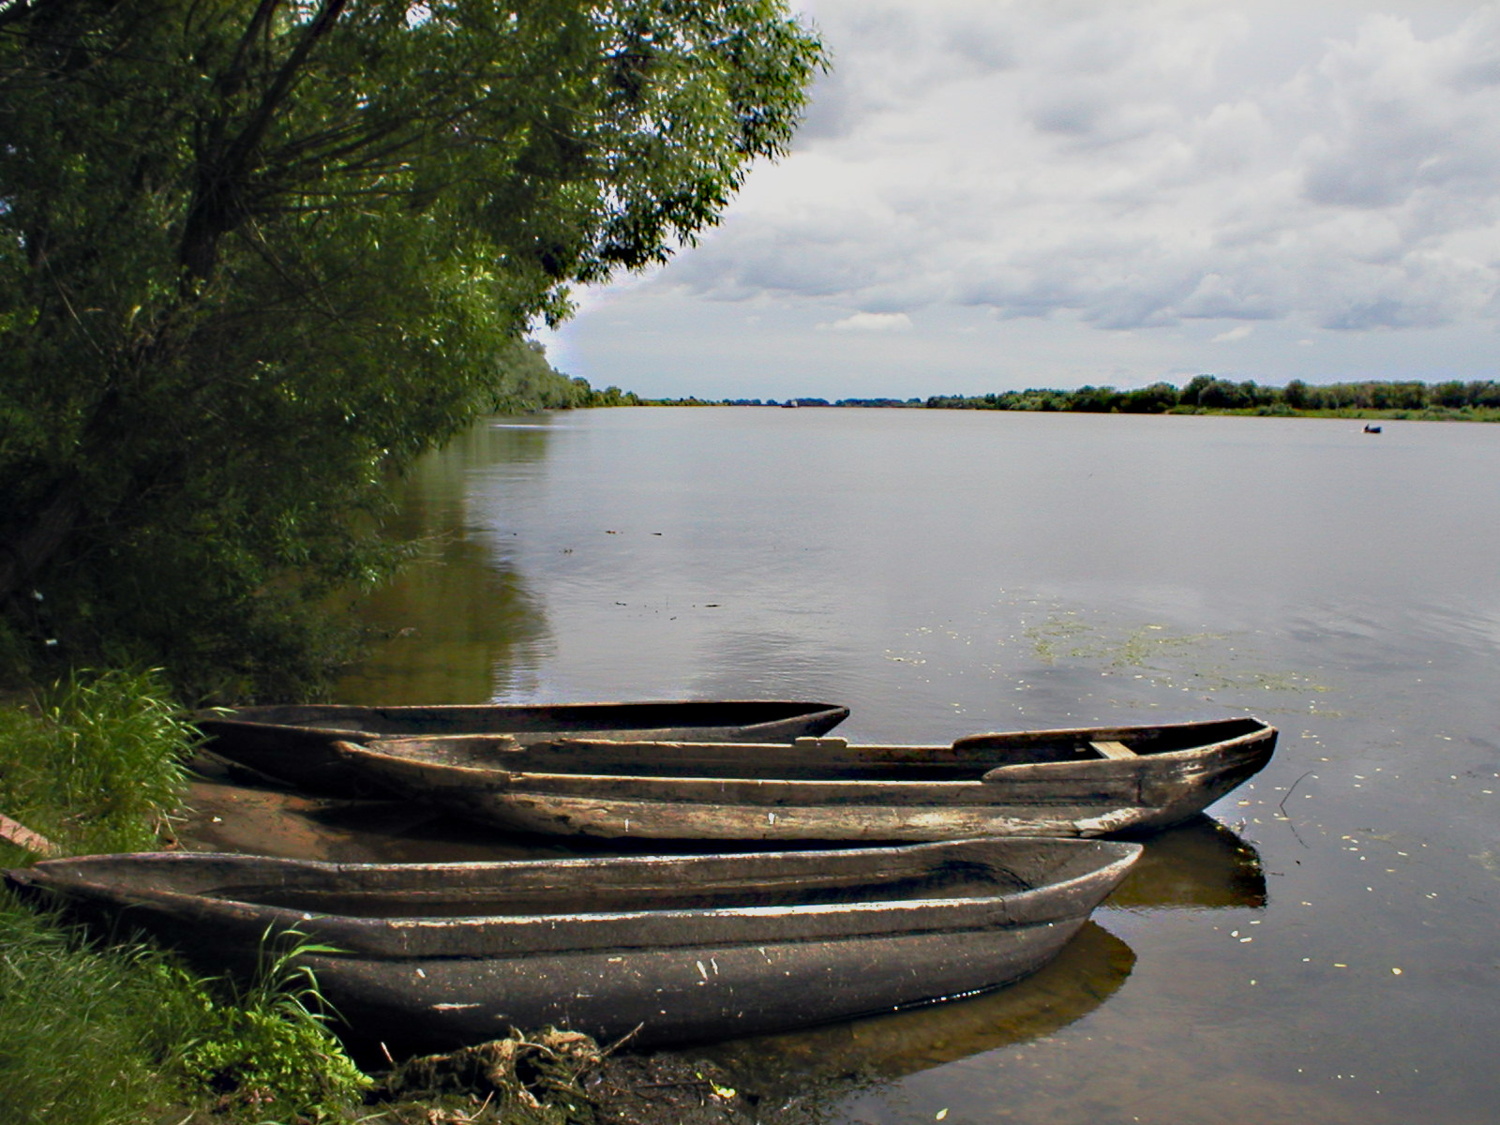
1097 158
1154 167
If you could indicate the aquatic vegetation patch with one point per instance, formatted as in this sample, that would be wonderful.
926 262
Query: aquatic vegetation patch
1066 635
1191 661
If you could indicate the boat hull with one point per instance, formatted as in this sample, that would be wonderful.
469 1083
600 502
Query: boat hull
661 997
294 743
666 949
826 789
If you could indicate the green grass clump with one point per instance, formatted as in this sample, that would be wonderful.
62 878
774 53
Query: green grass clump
97 764
269 1049
118 1034
86 1033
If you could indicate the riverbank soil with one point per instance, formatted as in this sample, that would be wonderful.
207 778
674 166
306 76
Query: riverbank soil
558 1077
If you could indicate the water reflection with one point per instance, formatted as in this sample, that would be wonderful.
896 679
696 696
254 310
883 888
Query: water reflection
461 614
798 1067
1197 865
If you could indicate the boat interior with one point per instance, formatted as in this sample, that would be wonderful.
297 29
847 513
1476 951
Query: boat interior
821 758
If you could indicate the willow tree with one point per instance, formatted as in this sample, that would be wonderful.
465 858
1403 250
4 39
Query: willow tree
256 254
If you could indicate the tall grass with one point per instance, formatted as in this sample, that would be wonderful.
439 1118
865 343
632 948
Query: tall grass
99 1031
95 1034
98 762
86 1034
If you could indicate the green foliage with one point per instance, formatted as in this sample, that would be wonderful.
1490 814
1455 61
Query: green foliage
256 258
269 1049
112 1034
86 1033
527 382
98 764
1155 399
93 1033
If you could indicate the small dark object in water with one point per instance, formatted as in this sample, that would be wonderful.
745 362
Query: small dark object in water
1371 429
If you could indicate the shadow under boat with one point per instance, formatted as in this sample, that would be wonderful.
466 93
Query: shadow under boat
1198 865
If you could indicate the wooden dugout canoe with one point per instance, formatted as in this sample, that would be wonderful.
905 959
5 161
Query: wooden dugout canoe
685 948
293 743
1077 782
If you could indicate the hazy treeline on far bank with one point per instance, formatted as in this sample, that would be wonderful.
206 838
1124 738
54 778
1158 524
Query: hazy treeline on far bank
1452 400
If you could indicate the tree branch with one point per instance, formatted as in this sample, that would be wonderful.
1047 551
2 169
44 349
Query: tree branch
218 205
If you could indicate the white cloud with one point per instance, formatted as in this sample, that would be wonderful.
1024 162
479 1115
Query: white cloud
1239 332
871 322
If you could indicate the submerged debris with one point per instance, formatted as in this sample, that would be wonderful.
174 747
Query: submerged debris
522 1079
667 1089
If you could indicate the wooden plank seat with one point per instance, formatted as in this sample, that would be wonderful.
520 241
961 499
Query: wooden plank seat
1117 750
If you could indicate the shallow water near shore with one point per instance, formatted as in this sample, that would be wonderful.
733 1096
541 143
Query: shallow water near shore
1321 950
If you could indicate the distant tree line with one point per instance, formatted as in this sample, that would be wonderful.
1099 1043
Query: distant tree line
1453 399
1479 400
525 381
693 400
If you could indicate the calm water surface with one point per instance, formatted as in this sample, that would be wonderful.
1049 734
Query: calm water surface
1323 950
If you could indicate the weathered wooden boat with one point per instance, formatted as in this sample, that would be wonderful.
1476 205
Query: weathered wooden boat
671 948
1078 782
293 743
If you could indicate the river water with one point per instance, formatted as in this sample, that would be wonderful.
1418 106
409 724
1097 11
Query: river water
1325 948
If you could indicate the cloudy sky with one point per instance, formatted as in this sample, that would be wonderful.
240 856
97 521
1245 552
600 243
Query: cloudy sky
990 194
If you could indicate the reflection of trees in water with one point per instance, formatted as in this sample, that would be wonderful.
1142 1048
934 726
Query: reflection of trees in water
433 499
457 613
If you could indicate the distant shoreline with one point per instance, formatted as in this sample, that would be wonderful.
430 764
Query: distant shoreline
1452 401
1353 413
